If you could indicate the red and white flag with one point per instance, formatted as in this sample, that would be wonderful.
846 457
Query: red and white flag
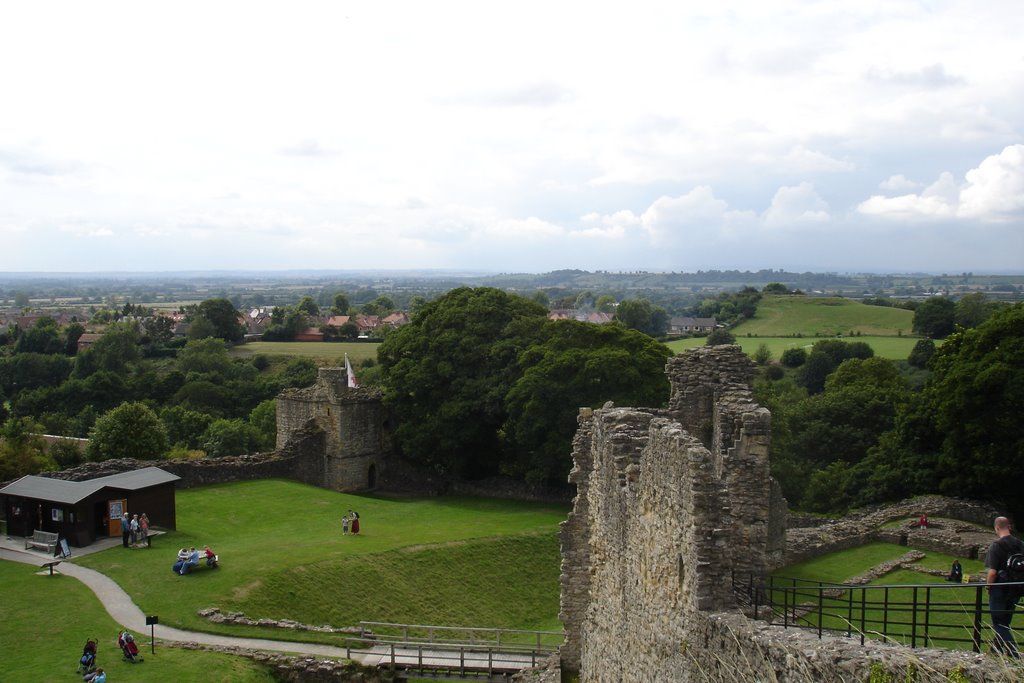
352 381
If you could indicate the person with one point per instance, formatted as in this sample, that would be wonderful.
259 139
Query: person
1002 599
354 523
956 572
144 528
126 527
211 557
344 525
182 559
923 522
191 560
97 676
133 530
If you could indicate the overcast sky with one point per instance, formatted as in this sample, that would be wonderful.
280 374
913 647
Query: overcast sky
512 136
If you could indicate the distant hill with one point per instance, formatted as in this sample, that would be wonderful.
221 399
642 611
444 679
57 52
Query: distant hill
784 316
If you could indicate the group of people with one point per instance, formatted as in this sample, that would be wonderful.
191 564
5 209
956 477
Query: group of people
87 663
350 522
190 557
135 531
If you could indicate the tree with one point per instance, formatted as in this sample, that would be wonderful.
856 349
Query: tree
132 430
223 317
206 357
641 315
184 427
300 372
263 418
814 371
934 318
775 288
763 355
575 364
43 337
22 450
159 329
116 351
974 309
719 337
230 437
922 352
446 375
793 358
341 304
308 306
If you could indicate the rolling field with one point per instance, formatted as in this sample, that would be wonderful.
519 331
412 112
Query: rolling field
786 316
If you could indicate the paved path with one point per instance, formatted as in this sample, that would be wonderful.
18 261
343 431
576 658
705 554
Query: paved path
120 606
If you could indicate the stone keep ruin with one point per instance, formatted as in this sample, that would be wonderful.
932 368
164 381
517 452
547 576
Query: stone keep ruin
338 428
669 504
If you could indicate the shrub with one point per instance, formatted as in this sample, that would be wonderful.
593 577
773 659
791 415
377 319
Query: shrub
794 358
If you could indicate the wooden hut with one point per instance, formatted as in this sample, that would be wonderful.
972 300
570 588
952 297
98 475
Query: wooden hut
82 511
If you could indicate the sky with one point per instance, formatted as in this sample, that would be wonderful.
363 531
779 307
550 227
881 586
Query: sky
512 136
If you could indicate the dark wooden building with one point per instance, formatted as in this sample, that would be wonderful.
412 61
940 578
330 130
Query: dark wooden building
82 511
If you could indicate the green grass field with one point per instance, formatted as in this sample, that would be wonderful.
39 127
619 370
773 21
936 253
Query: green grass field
45 621
893 348
448 561
781 316
322 352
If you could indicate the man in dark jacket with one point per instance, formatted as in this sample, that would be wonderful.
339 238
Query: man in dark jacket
1002 599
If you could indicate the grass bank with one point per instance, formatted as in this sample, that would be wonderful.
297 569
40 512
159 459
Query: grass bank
323 352
892 348
283 556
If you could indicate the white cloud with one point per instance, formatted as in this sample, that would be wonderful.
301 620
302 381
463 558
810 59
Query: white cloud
899 183
793 206
994 191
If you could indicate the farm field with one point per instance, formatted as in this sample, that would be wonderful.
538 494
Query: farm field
447 561
323 352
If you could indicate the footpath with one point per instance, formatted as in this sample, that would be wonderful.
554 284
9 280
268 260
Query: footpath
119 605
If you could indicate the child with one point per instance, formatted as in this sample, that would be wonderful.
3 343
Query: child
344 525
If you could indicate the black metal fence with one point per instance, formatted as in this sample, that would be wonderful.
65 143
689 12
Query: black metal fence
951 615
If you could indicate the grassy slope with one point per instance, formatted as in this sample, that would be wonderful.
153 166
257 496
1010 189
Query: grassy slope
283 556
44 621
780 316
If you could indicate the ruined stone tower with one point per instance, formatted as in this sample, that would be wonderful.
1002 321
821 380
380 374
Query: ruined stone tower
669 504
350 421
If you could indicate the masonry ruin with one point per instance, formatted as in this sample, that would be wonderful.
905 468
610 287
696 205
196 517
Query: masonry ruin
671 502
346 425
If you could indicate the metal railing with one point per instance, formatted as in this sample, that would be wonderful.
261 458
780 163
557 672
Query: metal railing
463 635
918 615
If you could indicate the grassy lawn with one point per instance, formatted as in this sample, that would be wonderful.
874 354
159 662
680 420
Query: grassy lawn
318 351
951 615
448 561
893 348
45 621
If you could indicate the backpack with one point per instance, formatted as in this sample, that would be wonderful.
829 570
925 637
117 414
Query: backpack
1012 570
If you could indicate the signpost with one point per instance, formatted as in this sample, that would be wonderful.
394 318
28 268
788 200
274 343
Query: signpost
151 622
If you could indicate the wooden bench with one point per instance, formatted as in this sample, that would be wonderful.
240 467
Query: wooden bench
42 540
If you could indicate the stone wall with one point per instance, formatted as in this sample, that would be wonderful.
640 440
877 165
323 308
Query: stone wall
668 504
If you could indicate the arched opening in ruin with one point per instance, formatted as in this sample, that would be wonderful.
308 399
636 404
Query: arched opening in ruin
371 477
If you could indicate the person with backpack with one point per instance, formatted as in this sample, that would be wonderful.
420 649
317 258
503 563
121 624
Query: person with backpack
1005 563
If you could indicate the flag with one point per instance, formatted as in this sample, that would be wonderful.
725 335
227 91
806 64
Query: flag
352 381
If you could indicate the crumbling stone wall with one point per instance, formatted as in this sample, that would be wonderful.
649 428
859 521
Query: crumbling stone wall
668 504
352 422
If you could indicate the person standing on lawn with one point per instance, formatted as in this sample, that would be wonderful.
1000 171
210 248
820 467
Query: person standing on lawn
126 529
1002 599
144 528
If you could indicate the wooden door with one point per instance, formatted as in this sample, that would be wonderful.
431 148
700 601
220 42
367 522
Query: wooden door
114 510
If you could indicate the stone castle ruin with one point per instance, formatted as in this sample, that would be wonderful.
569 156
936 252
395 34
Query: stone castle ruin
669 504
344 426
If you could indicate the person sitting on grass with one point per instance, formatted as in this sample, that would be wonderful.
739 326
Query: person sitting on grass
191 560
182 559
211 557
97 676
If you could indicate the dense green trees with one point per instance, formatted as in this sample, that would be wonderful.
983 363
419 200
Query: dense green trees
481 381
447 372
573 365
641 315
222 318
934 317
